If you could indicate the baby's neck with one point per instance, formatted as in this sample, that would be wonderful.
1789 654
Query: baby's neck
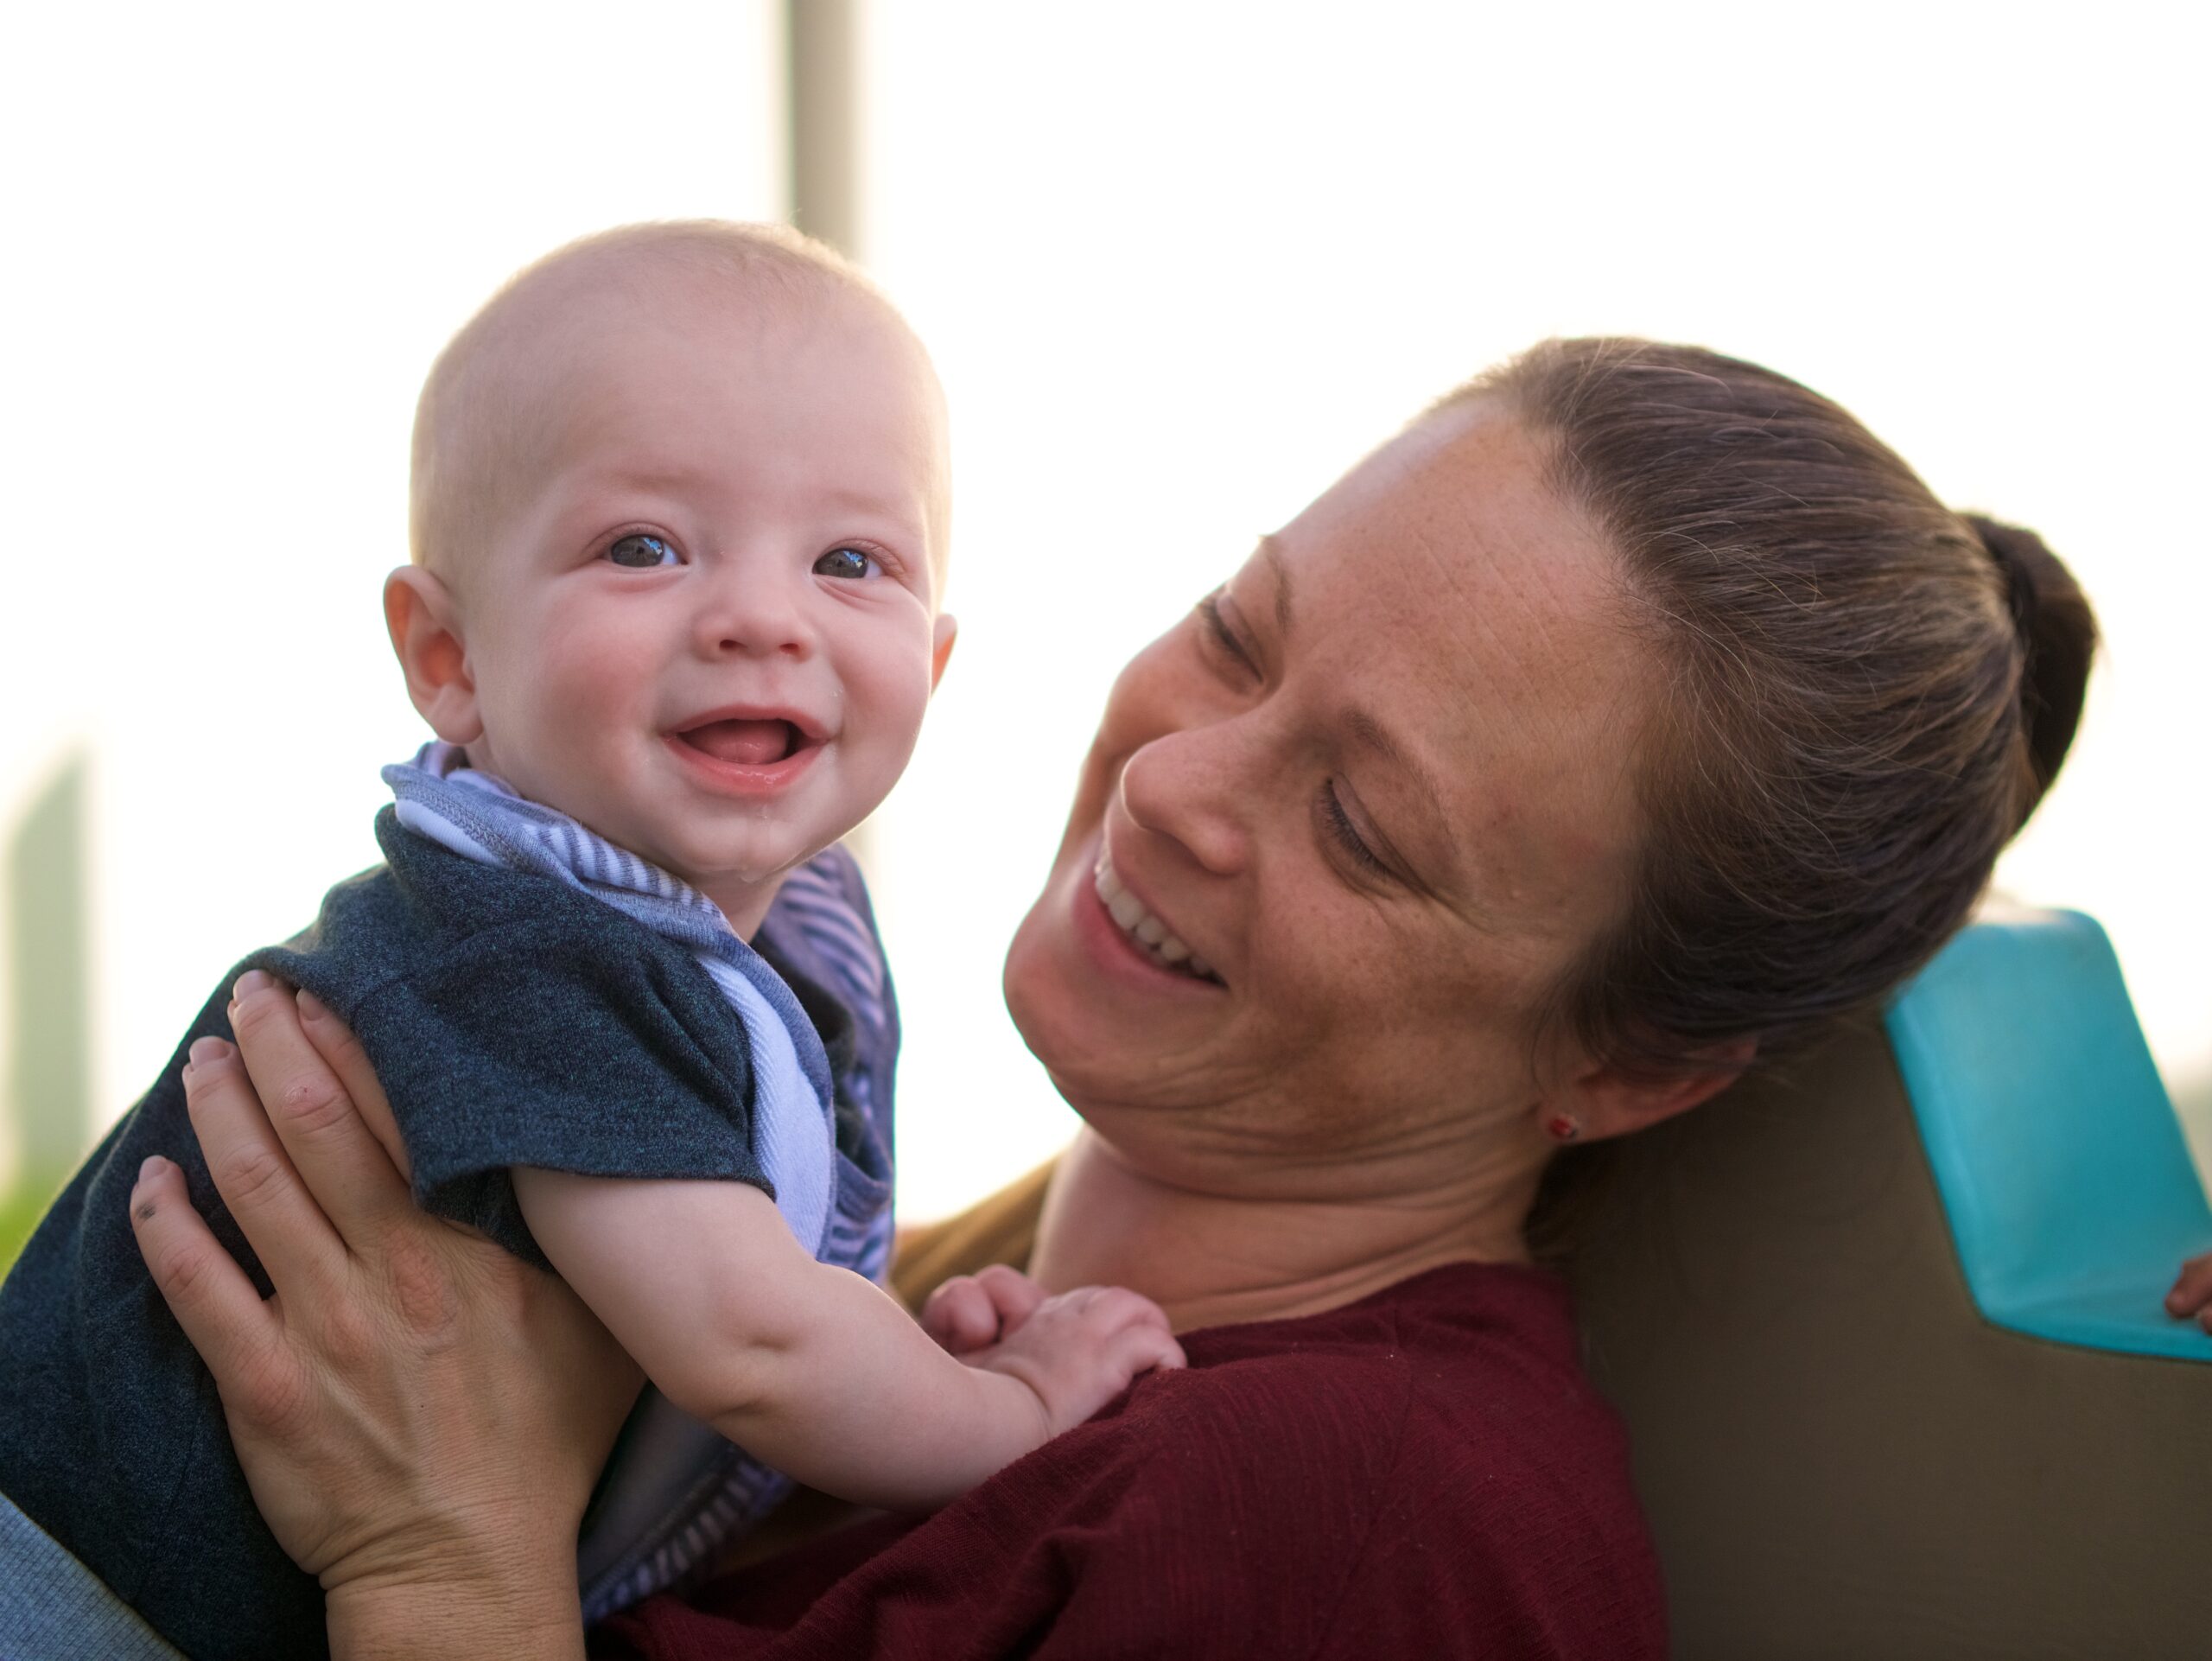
745 904
1214 1258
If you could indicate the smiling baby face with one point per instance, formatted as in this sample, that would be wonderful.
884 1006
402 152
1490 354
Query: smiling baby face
680 530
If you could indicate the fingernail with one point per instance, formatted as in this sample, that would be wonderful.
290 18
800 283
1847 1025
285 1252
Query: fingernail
311 1005
248 983
150 1167
204 1050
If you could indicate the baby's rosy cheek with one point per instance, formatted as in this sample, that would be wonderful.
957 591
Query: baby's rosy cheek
589 667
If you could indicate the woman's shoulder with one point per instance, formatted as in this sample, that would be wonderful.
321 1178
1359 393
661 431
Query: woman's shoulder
1298 1490
1455 1337
1467 1368
1435 1453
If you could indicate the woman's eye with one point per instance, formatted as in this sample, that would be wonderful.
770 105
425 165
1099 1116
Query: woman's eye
846 562
1346 834
1218 632
641 552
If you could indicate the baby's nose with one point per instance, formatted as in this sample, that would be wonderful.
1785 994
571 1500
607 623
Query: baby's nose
758 620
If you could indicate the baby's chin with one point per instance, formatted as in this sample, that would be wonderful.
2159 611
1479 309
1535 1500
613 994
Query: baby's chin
740 874
735 853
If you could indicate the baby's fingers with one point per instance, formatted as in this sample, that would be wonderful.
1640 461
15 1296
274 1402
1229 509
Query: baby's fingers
1013 1295
960 1316
2192 1291
1147 1348
1115 1309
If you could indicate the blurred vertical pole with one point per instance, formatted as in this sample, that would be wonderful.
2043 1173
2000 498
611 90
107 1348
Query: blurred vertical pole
823 41
49 1038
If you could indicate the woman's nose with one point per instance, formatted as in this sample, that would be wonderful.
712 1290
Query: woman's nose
1191 788
753 614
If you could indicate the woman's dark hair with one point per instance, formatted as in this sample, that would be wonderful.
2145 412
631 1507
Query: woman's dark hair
1866 694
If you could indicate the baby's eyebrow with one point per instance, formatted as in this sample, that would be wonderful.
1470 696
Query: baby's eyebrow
650 475
850 499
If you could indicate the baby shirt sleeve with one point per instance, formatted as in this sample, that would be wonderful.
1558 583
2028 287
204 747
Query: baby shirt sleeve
599 1051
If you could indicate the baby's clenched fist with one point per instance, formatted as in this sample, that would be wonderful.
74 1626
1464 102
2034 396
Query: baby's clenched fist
1076 1351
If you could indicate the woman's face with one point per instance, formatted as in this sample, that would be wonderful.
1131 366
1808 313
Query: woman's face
1378 784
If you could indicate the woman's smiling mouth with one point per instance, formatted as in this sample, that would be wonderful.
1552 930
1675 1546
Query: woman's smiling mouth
1151 935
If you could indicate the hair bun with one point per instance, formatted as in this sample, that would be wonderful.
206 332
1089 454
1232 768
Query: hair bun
2058 634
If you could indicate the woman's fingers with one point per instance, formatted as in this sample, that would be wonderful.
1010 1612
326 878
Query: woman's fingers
334 1041
280 1220
221 1314
314 1107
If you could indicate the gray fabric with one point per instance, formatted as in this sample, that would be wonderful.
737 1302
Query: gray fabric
512 1020
52 1605
480 816
675 1491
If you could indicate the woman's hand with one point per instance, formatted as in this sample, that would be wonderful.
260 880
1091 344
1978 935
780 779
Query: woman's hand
420 1415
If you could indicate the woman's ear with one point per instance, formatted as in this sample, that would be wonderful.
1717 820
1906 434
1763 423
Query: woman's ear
1603 1099
425 625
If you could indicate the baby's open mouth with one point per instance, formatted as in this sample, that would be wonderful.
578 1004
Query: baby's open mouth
747 743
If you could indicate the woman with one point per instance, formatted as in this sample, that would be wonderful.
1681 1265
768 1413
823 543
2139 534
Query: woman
1628 716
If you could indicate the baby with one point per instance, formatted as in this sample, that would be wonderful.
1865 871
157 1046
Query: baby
679 517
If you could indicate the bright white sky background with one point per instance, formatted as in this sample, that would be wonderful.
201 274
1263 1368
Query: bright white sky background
1179 264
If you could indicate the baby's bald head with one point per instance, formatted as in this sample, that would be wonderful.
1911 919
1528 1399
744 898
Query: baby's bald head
502 394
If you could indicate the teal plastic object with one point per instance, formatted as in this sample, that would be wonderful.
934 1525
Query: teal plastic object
2071 1195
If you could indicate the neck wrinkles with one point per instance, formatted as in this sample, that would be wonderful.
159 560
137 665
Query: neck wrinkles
1214 1258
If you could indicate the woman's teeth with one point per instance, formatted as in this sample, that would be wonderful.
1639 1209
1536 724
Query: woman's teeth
1133 920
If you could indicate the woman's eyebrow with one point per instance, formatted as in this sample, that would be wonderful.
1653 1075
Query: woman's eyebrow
1279 568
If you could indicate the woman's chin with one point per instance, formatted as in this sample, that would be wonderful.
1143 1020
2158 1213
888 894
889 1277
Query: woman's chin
1086 999
1030 979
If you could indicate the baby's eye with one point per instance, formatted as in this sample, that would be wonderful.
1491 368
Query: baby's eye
846 562
641 552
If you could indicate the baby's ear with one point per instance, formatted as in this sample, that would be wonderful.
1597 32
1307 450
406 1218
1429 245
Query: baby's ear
941 646
425 624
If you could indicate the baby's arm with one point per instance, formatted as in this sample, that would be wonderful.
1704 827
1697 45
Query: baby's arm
814 1370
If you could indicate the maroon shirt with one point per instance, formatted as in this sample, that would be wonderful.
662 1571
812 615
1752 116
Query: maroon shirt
1426 1472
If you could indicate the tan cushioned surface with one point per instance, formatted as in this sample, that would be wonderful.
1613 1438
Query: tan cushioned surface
1839 1457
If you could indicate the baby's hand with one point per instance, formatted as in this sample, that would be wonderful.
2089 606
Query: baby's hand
2192 1293
973 1312
1077 1351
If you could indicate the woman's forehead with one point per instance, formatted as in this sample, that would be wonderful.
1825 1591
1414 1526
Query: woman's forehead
1442 592
1446 560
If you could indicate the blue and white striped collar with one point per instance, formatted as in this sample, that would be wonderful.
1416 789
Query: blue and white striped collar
480 817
